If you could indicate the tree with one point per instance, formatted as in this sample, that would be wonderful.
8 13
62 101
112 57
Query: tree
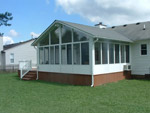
4 18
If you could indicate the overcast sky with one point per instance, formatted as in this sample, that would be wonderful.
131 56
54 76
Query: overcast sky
32 17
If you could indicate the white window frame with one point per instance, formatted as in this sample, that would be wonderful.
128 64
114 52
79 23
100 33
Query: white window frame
143 49
12 58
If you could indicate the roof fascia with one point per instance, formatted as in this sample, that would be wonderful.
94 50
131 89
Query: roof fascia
104 38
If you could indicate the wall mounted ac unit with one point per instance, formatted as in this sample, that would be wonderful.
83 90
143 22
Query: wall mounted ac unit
127 67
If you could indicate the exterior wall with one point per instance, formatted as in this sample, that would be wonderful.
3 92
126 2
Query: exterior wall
108 68
73 79
21 52
111 77
1 48
75 69
82 79
140 64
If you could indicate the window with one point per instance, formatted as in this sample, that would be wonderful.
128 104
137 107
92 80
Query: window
63 54
116 53
127 54
97 53
11 57
55 36
76 53
85 53
104 53
66 34
78 36
52 54
46 55
45 40
111 53
143 49
56 54
69 54
66 54
122 54
41 55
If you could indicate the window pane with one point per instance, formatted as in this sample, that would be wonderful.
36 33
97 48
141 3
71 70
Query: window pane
46 55
85 53
111 53
69 54
143 49
122 54
143 46
104 53
97 53
45 40
63 54
116 53
66 34
78 36
52 55
127 54
12 58
56 54
55 36
76 53
41 56
144 52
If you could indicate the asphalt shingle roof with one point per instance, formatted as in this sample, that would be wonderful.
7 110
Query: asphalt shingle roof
99 33
16 44
134 31
125 33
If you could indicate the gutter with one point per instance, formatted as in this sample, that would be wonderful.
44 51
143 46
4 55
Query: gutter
92 85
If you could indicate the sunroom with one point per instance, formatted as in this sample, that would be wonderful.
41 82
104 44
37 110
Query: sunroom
81 55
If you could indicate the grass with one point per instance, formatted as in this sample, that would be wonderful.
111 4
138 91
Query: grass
126 96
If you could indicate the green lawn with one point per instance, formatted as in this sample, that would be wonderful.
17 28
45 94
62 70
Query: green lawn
126 96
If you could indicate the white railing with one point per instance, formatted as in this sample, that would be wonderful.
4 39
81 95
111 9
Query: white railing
24 67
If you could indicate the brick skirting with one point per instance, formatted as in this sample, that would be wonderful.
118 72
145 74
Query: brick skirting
79 79
73 79
111 77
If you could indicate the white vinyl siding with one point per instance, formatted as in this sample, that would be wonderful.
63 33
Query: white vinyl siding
140 64
22 52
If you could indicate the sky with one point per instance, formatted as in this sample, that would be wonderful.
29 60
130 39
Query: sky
32 17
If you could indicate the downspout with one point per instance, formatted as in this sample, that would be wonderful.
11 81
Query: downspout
92 85
37 73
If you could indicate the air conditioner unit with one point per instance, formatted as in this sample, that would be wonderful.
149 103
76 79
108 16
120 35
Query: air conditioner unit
127 67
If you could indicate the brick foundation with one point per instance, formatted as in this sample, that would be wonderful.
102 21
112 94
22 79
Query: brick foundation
79 79
73 79
111 77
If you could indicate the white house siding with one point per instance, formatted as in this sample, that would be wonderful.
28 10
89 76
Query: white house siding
72 69
140 64
108 68
1 48
21 52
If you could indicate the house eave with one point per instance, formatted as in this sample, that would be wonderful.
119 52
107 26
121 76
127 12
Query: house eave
109 39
